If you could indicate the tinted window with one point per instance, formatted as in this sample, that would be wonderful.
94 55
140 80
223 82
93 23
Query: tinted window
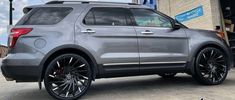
89 19
45 16
149 18
108 16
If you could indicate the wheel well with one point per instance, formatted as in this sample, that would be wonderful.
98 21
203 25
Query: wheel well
210 45
69 50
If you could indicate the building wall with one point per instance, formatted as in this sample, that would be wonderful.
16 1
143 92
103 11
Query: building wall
216 12
209 20
135 1
3 51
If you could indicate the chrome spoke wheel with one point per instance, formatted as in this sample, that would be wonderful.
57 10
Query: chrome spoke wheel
212 66
68 77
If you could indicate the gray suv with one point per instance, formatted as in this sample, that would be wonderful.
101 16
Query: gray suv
69 44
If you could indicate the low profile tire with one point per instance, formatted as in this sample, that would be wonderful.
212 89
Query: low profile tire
68 77
167 75
211 66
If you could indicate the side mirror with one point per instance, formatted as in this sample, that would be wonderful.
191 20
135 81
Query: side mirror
176 26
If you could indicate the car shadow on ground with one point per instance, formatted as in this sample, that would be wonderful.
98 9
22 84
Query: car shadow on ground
151 85
141 84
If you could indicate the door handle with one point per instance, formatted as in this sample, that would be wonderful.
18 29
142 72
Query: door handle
88 31
147 32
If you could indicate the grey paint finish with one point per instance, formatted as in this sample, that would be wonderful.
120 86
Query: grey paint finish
197 38
54 35
163 45
111 44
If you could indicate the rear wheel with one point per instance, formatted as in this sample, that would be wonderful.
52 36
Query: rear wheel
167 75
68 77
211 66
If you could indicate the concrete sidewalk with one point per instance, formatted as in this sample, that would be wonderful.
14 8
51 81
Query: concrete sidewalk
152 87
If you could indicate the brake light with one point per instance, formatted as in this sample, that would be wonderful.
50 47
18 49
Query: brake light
16 33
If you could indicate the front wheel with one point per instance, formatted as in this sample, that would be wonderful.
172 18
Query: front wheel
68 77
211 66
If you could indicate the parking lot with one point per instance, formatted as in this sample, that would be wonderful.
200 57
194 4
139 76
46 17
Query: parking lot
183 87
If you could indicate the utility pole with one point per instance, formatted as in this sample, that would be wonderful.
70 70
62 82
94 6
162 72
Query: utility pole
10 13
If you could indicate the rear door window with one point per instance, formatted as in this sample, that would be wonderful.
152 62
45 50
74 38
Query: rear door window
108 16
45 16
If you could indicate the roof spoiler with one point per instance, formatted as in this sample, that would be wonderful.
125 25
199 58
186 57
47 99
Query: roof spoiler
27 9
88 2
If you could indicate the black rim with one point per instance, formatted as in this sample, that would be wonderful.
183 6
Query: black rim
69 77
212 65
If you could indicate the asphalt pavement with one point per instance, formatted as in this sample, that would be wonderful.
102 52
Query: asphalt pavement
182 87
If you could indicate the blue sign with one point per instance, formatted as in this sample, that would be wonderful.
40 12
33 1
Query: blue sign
194 13
150 3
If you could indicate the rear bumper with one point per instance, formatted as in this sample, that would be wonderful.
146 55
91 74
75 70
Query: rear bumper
21 73
21 68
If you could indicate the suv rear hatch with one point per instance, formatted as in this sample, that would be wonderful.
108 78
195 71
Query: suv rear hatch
37 16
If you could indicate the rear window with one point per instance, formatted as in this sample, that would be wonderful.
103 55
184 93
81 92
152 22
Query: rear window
45 16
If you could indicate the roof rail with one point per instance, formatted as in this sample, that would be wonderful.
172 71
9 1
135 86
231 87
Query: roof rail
88 2
55 2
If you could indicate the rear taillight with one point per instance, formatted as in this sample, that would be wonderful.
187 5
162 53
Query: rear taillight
16 33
